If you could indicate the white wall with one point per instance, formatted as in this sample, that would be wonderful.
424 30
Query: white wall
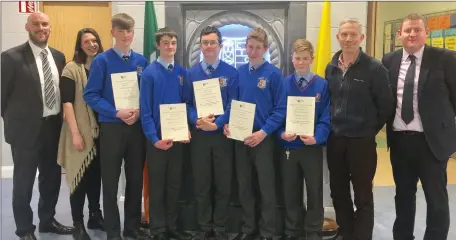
339 11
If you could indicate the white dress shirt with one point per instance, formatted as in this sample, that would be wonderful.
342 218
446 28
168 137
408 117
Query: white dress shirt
415 124
55 77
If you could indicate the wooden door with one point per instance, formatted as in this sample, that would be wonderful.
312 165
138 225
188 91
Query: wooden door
67 18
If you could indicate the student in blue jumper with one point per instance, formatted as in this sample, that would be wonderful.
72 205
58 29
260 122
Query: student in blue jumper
302 156
260 83
210 149
162 83
121 135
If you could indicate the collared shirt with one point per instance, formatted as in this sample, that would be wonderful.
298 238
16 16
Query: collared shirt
164 63
342 65
307 77
55 77
120 53
204 65
415 124
257 65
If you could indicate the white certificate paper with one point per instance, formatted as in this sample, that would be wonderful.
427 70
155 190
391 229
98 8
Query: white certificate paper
300 116
173 119
125 90
242 116
208 97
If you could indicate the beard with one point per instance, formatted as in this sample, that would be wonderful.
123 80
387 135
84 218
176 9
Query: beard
35 39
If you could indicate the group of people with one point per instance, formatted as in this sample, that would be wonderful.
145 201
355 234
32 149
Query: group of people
58 114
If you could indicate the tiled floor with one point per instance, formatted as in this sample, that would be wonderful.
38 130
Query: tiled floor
383 193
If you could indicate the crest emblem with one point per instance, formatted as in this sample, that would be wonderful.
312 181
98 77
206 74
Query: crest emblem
223 81
181 79
317 97
262 83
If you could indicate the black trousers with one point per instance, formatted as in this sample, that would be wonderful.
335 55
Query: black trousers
121 142
256 161
26 160
90 186
212 164
303 163
353 160
412 160
165 180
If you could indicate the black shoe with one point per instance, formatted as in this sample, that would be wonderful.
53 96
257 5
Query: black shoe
218 235
96 221
286 237
144 224
137 234
179 235
160 236
80 232
244 236
201 235
263 238
313 236
30 236
55 227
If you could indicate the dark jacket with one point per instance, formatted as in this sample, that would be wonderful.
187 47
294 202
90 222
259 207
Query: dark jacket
361 100
436 98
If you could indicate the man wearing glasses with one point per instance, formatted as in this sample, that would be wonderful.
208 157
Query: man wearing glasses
210 149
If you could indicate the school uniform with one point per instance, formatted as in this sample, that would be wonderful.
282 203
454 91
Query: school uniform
211 151
118 140
261 85
162 83
300 161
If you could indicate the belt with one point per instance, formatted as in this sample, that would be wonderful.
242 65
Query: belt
409 133
49 117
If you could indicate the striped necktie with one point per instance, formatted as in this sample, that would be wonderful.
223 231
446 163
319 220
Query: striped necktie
125 58
49 91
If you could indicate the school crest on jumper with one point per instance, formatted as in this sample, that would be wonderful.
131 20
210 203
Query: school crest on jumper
139 70
181 79
262 83
223 81
317 97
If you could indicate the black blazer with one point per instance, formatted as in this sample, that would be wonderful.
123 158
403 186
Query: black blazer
21 100
436 97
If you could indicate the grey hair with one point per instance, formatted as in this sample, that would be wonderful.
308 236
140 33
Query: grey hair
352 21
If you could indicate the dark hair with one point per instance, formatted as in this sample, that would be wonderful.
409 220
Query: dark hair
79 55
166 31
209 30
122 21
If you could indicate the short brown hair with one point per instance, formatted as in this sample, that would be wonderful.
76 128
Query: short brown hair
260 35
166 31
122 21
302 45
413 17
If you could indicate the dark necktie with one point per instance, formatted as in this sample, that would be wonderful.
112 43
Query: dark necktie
252 68
49 91
125 58
301 82
210 68
407 97
170 67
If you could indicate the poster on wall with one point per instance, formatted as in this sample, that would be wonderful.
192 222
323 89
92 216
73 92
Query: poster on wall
442 26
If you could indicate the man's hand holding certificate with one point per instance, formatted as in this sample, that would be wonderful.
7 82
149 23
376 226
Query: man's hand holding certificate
173 119
126 96
241 120
208 97
300 119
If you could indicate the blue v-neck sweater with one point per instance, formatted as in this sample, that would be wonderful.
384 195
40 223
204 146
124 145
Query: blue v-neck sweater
228 80
98 91
318 88
158 86
263 87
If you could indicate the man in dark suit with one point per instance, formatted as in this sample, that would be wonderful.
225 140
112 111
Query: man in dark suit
421 134
31 111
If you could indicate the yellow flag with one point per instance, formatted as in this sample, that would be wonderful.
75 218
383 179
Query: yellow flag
323 52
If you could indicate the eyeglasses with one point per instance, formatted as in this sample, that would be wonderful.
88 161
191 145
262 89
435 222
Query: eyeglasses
207 43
